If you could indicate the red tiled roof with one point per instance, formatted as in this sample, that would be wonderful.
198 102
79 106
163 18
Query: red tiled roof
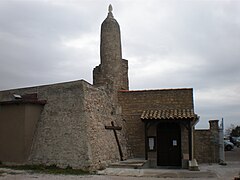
168 114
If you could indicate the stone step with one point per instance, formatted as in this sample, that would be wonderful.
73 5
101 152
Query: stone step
130 163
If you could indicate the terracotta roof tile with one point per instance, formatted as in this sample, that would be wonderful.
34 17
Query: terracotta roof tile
168 114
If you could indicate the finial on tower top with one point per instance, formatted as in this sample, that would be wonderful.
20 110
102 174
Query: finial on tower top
110 8
110 14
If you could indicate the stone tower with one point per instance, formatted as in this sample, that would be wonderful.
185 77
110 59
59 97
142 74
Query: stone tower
113 70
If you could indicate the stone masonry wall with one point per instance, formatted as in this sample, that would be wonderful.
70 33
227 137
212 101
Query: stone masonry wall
100 78
184 141
100 111
124 75
71 130
134 102
60 137
206 144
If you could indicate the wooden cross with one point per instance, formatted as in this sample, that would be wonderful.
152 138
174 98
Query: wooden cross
114 128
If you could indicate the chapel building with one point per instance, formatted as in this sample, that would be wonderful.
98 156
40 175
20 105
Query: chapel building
89 126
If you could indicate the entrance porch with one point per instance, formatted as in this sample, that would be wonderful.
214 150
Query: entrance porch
169 138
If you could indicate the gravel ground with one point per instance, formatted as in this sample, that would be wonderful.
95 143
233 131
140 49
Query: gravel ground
221 172
229 171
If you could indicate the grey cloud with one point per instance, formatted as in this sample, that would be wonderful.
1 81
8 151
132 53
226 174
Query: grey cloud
169 44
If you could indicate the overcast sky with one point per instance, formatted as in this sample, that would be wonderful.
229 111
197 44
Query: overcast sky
169 44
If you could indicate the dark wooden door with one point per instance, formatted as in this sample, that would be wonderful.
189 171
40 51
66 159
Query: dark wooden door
168 144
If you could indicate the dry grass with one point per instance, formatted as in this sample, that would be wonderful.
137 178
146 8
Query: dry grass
53 169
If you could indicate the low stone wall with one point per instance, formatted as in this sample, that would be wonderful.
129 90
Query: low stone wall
207 144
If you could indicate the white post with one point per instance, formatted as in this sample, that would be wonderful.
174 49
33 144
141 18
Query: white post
221 144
